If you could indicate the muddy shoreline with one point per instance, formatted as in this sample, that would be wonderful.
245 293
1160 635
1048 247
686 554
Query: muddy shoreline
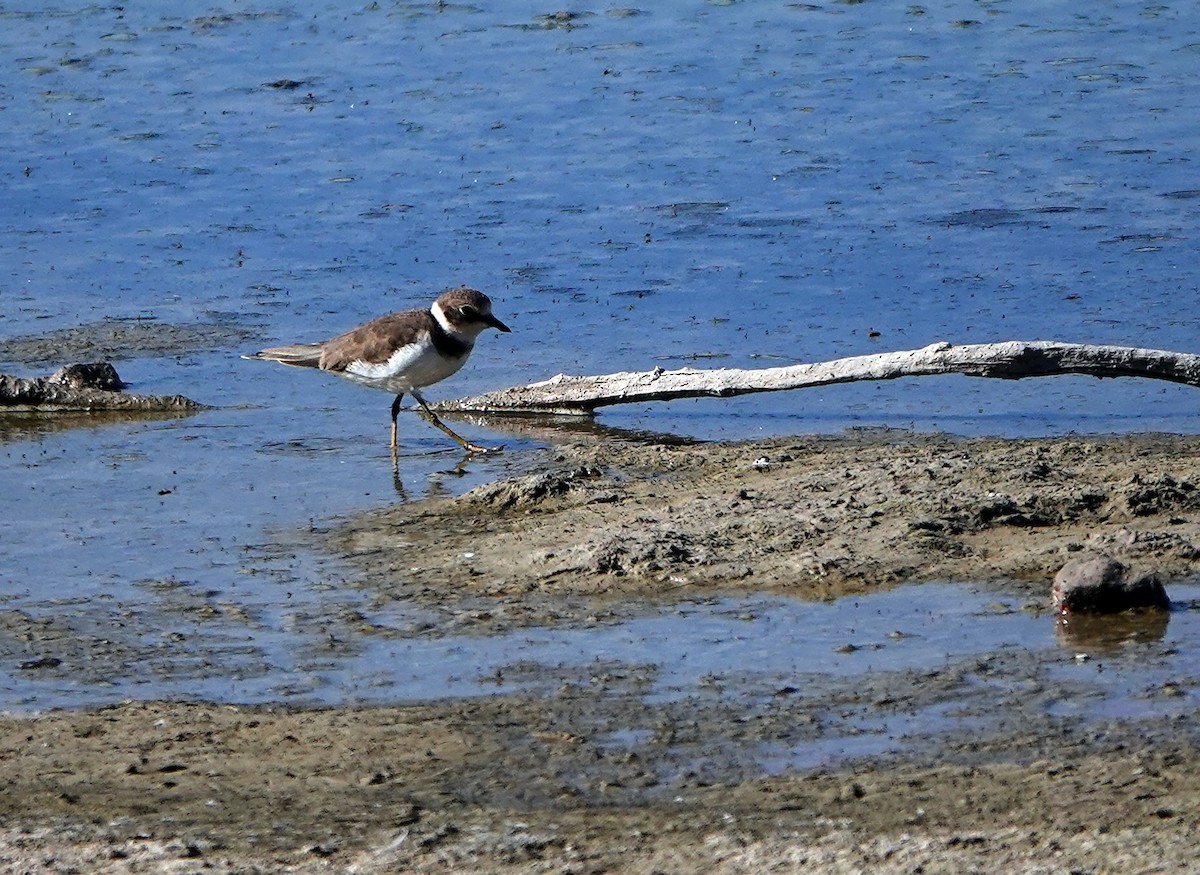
597 523
533 782
498 786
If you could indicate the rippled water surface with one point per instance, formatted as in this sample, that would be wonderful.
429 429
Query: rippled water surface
749 183
706 184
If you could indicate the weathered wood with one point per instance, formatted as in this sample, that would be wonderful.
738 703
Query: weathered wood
1009 360
83 387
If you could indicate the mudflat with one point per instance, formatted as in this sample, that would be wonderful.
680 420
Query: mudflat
523 782
814 518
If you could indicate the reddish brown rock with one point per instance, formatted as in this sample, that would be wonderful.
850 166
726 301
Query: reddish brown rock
1102 585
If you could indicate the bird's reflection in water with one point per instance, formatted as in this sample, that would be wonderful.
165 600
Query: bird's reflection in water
435 488
537 430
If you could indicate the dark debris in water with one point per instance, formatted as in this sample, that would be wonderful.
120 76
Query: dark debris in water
289 84
43 662
561 20
991 217
691 209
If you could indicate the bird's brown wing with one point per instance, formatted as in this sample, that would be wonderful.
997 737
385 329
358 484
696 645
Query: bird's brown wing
373 342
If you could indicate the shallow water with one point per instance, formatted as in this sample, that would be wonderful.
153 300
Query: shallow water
816 681
701 184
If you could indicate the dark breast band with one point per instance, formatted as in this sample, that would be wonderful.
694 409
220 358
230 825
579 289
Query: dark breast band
445 343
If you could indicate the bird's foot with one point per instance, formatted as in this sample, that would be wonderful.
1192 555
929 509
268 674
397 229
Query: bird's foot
476 450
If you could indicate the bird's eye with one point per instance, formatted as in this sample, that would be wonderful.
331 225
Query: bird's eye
468 311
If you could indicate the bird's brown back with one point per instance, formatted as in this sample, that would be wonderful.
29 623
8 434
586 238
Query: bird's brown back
373 342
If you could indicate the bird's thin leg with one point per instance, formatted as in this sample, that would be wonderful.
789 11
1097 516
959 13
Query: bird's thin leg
461 441
395 413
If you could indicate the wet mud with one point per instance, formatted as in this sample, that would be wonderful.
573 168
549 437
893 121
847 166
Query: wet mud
512 785
816 518
1008 764
121 339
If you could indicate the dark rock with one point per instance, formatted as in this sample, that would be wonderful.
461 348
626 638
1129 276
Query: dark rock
93 386
997 507
88 375
1002 510
1162 494
535 489
1101 584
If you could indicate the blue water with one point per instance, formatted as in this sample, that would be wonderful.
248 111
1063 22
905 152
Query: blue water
752 643
707 184
765 183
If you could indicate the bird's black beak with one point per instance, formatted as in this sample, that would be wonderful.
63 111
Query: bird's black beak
496 323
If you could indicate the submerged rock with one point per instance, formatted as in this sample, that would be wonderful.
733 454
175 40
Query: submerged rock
1102 585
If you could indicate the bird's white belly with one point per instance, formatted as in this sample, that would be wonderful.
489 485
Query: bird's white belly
410 367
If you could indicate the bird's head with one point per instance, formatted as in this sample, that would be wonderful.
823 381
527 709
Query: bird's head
466 312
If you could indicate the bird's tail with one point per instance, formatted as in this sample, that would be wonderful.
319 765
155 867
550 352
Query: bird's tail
301 355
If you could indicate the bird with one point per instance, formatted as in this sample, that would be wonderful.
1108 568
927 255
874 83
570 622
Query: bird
403 352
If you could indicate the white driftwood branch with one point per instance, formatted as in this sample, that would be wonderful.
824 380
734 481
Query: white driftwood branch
1010 360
